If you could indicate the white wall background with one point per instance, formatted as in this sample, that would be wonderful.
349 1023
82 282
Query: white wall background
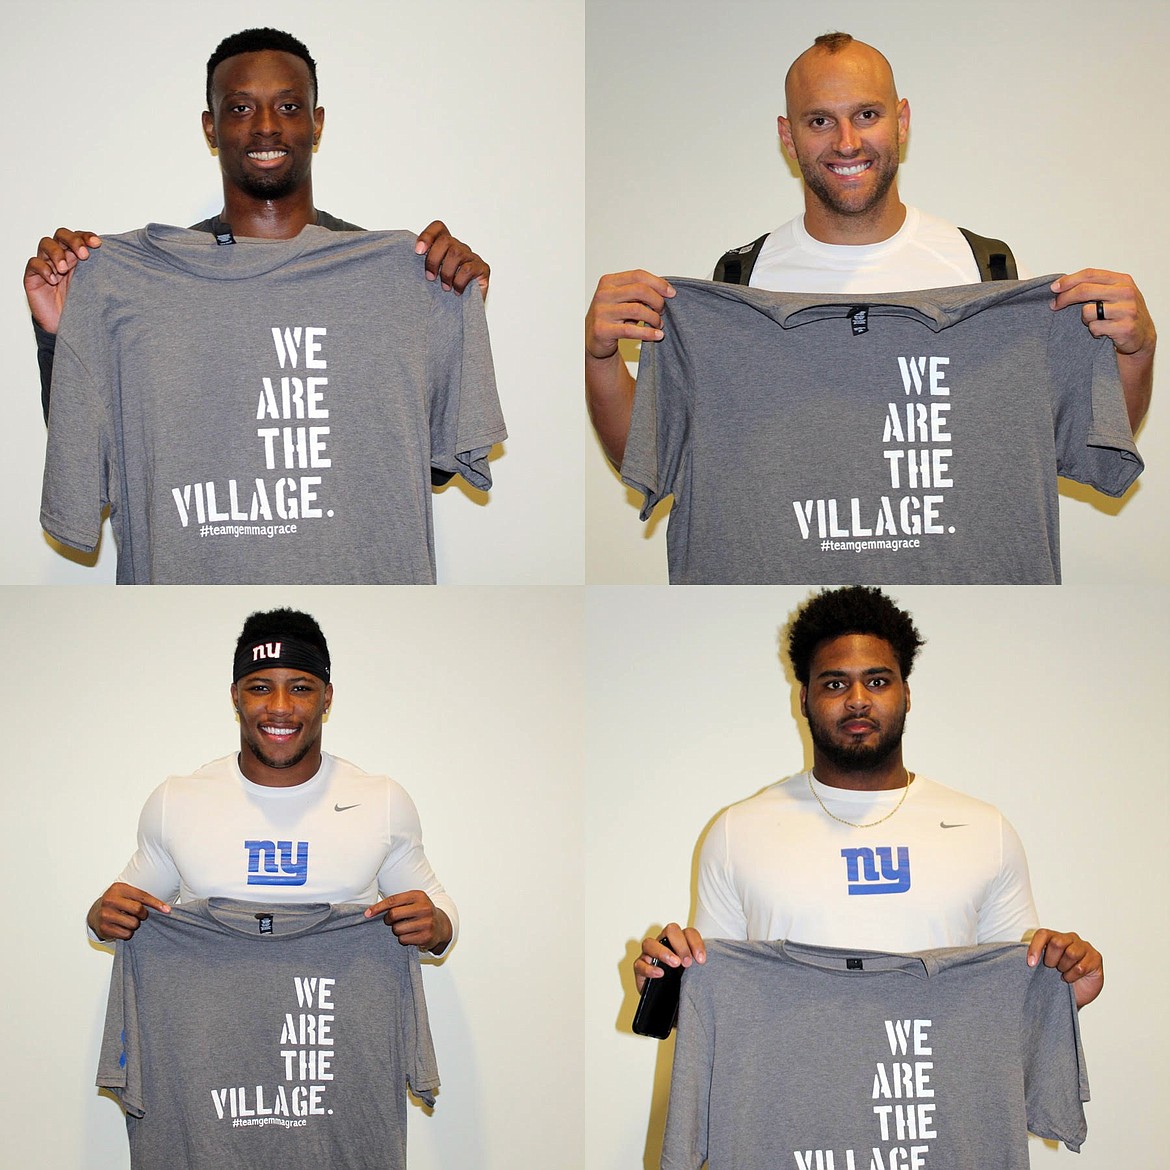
467 112
469 705
1045 702
1030 121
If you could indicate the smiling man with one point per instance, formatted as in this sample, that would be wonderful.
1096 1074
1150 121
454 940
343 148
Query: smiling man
263 121
845 126
281 821
860 852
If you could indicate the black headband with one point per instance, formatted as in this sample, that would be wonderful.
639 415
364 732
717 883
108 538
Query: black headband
286 653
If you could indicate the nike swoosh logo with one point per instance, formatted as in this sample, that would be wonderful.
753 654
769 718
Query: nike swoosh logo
344 807
944 825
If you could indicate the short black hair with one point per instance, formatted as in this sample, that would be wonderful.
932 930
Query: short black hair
855 609
257 40
287 623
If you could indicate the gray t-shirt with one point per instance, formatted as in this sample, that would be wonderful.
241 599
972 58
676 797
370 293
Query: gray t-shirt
256 1037
907 438
267 412
789 1055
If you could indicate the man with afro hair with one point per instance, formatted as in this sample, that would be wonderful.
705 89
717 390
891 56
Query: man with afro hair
787 862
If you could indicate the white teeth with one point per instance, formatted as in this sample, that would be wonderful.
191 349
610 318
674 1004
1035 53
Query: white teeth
266 155
856 169
278 730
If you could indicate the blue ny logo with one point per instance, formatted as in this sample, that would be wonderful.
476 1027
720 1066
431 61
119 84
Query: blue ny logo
271 863
861 868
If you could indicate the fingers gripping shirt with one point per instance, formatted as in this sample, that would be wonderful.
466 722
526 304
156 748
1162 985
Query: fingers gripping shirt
908 438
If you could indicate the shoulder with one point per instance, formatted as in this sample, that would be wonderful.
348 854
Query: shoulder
222 768
764 806
376 785
955 803
333 224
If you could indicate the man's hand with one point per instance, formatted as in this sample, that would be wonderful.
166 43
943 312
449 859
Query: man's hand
1124 319
120 911
686 947
451 261
1078 962
625 305
415 920
48 273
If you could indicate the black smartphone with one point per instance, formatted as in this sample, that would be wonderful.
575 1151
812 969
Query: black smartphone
657 1010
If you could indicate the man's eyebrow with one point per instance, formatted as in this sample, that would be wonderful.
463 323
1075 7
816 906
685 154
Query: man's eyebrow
869 670
233 93
824 112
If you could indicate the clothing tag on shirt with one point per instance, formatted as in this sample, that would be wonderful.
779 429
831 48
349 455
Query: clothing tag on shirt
265 921
854 965
859 319
225 236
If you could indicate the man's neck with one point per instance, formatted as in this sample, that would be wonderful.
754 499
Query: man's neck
269 219
260 773
874 227
889 774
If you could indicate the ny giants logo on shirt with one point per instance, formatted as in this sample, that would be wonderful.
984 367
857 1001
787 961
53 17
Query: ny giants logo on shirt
273 863
874 871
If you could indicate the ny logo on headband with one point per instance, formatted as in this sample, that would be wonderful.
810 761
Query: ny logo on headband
265 650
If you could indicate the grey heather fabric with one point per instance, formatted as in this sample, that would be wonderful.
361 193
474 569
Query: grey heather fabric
266 412
908 438
946 1059
47 342
225 1057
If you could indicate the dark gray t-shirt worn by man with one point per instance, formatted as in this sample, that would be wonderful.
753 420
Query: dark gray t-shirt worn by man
255 1037
906 438
266 412
793 1057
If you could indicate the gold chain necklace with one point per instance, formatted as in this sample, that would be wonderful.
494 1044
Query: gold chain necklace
867 824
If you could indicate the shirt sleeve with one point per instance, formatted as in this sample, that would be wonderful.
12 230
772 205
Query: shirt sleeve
465 417
406 866
76 483
656 447
1094 443
152 868
423 1070
719 912
684 1146
1008 913
119 1066
1056 1084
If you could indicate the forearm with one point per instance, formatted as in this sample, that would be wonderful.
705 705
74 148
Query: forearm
1137 383
92 918
609 396
46 348
445 932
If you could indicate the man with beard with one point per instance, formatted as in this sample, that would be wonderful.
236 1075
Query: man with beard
281 821
845 127
802 860
263 121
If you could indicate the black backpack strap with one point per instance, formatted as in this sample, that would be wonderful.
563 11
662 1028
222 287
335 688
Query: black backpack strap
735 267
994 257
